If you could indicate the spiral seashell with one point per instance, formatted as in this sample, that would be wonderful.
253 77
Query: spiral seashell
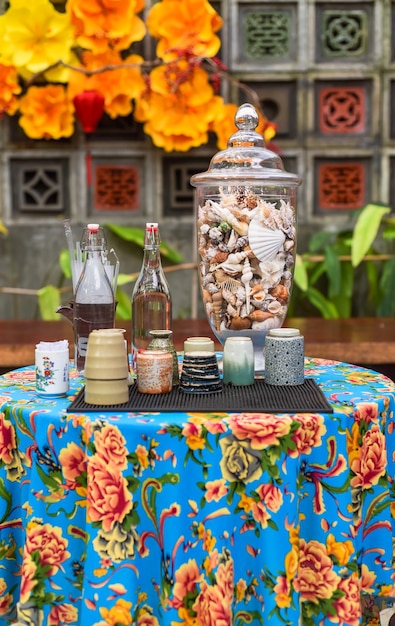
238 257
217 309
265 242
232 312
232 269
246 277
274 307
206 295
281 293
228 296
232 241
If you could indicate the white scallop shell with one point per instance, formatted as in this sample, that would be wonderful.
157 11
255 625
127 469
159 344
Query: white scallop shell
264 242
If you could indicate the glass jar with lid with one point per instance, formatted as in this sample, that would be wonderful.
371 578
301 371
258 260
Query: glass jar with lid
246 236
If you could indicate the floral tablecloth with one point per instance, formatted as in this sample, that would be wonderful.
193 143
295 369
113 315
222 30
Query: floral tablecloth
190 519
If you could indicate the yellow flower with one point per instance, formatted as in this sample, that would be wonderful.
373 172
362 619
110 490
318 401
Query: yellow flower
35 35
225 126
179 107
119 86
103 24
184 27
118 614
9 89
46 113
291 564
342 550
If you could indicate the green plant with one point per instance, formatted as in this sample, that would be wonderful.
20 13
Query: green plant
349 272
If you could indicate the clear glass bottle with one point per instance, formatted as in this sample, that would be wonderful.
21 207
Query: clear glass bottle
94 303
151 299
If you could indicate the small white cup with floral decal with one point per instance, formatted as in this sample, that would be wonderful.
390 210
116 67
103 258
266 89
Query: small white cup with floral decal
52 368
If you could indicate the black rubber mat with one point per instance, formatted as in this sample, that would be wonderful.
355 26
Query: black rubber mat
260 397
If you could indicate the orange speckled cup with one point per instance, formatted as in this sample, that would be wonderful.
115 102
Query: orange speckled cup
154 371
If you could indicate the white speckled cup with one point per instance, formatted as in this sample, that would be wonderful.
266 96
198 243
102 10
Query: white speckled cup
284 357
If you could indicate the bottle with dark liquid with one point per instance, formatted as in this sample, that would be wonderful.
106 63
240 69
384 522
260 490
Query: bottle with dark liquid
151 299
94 304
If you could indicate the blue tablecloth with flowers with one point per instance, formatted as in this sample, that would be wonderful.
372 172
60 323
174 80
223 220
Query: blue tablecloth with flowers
193 519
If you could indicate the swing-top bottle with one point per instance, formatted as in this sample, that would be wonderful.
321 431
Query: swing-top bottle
151 299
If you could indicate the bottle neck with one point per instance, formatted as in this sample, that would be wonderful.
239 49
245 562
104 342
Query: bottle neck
151 258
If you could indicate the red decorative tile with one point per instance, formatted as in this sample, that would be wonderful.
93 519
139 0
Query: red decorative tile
342 110
116 187
341 185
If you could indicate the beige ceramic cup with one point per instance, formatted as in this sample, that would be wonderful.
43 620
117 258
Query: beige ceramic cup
106 355
198 344
106 392
106 368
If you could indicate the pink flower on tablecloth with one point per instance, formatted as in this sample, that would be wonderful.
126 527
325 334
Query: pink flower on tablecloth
372 462
73 461
48 543
271 496
63 614
348 608
367 412
215 427
261 429
28 577
215 490
5 599
226 578
213 605
260 513
368 579
316 580
187 578
282 589
108 497
7 440
110 446
308 435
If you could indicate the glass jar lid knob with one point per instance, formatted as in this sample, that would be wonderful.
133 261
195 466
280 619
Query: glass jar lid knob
246 120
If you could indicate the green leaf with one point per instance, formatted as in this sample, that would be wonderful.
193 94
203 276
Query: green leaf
320 240
386 307
333 270
124 279
64 261
48 302
365 231
300 274
124 307
325 306
137 235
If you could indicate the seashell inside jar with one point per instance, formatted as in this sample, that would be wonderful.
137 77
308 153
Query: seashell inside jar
246 228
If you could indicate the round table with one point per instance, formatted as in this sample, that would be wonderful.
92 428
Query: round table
198 519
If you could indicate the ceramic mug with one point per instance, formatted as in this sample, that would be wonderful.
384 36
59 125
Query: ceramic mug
238 361
52 372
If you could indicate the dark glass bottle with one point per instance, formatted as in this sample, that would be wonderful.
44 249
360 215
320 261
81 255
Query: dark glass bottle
151 299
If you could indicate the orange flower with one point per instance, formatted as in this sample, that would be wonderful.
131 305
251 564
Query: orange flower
184 27
119 86
46 113
179 107
100 24
9 89
118 614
